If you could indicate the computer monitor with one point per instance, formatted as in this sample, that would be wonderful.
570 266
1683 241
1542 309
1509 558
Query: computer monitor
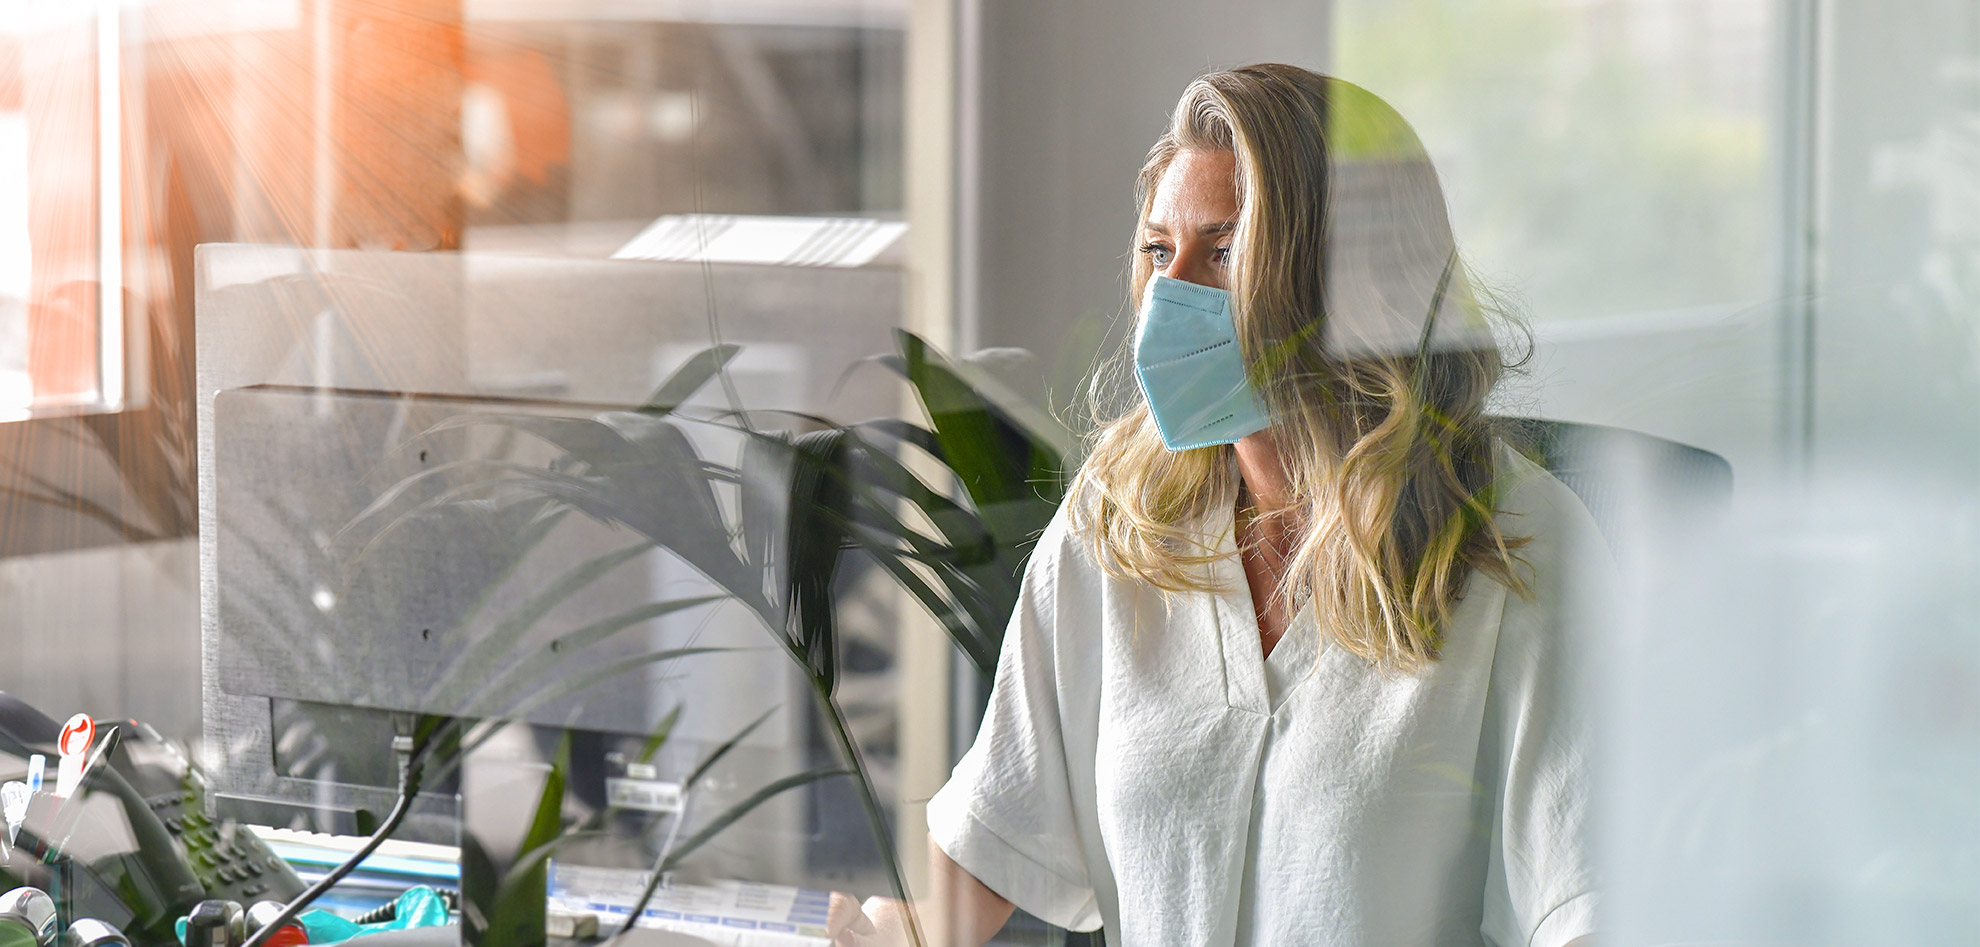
358 568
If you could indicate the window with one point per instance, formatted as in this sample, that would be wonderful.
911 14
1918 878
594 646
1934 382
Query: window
61 334
1601 156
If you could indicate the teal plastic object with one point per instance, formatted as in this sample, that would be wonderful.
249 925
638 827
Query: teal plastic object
418 907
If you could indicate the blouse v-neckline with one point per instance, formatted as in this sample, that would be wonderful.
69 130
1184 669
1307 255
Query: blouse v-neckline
1254 681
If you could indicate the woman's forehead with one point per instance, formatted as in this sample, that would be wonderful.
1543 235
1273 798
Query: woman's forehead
1197 191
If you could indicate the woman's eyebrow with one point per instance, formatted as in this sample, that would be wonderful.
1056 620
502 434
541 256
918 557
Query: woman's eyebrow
1208 230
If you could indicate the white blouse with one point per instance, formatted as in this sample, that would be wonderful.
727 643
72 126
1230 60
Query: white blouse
1143 765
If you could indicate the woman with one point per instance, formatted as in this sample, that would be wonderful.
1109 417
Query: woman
1299 689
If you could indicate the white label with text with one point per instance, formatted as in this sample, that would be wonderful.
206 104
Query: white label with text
646 795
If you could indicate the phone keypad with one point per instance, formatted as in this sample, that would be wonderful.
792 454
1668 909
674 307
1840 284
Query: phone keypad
228 860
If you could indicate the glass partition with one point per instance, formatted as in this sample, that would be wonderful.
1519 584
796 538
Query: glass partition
638 436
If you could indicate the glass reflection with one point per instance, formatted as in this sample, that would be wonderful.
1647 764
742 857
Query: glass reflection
322 237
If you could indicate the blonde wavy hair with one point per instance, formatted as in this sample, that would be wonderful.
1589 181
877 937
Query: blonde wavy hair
1372 349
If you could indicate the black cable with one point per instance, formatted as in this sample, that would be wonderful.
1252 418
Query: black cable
408 788
325 883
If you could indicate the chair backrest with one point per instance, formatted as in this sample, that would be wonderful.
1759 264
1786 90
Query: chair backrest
1632 483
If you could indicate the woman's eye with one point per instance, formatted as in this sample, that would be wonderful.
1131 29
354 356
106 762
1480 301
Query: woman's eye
1158 254
1222 256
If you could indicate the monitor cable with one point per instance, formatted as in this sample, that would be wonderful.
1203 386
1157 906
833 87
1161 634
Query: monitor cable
411 760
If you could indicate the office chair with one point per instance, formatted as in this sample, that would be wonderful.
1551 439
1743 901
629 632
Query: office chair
1637 486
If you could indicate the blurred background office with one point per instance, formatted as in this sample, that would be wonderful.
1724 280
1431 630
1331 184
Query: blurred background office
1747 226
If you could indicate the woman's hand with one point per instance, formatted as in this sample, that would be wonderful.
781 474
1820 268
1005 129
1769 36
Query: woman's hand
880 922
962 912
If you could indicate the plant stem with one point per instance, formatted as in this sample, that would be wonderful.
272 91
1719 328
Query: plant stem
874 813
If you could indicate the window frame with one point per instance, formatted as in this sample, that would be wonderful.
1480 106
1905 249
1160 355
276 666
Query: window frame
113 466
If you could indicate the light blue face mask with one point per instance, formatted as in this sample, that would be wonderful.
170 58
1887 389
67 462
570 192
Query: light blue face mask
1187 358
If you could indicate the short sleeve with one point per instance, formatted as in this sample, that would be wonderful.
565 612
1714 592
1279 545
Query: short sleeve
1541 884
1007 814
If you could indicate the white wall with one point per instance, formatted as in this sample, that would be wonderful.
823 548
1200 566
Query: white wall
1709 378
112 631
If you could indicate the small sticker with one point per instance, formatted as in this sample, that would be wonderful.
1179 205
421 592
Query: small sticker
77 735
646 795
